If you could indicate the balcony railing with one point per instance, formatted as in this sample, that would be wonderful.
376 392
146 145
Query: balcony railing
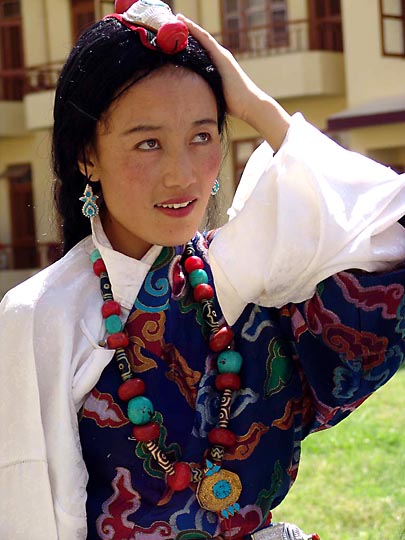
280 37
14 84
17 257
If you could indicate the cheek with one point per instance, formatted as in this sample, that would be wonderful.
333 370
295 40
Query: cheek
213 163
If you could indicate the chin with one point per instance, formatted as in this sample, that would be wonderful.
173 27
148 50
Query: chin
178 239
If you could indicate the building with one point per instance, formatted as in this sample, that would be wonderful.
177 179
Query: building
339 62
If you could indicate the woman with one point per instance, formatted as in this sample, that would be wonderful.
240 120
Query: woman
138 412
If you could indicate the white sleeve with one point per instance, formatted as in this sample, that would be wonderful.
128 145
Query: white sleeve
310 211
26 505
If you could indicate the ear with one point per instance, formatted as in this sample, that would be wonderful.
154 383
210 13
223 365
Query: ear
86 164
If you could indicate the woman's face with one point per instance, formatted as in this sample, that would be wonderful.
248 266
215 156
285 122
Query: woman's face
157 153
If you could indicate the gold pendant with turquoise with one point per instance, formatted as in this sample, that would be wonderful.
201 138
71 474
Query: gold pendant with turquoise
219 490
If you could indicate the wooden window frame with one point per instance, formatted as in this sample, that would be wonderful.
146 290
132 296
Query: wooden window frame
386 16
77 8
12 73
245 31
330 37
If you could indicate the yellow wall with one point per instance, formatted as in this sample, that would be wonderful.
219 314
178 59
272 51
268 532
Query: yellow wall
47 31
370 75
33 149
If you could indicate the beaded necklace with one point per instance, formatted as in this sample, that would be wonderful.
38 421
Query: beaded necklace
217 489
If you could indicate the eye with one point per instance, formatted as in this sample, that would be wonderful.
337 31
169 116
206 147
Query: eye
202 137
150 144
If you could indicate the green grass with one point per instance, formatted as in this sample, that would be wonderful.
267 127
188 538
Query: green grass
351 482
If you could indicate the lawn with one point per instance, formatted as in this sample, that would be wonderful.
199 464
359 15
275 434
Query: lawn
351 482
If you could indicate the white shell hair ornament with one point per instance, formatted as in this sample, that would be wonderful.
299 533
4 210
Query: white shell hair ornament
155 22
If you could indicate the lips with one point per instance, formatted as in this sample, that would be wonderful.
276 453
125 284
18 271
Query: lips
174 206
180 207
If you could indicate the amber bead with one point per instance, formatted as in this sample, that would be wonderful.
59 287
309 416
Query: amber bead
131 388
146 432
115 341
203 292
193 263
181 477
99 267
221 339
222 437
227 380
110 307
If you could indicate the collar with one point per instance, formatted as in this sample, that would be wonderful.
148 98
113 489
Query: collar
126 274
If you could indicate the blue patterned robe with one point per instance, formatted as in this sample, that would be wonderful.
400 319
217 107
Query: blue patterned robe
306 367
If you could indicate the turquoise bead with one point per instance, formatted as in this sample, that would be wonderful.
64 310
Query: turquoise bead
197 277
113 324
95 256
229 362
140 410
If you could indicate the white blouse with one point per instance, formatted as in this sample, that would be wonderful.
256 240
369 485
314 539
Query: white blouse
297 218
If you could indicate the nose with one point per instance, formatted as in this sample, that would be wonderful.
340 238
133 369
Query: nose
178 170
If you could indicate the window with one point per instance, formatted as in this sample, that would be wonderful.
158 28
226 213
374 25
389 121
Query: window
254 25
325 25
393 27
241 152
11 51
24 252
83 15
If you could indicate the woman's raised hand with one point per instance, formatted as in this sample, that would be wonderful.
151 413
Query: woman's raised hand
244 99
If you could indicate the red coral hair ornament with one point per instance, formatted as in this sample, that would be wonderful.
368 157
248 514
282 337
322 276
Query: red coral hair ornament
155 23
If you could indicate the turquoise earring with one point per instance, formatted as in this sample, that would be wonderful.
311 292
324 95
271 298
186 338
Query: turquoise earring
215 188
90 208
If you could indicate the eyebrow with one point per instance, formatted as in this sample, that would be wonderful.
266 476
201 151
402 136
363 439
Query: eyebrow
151 127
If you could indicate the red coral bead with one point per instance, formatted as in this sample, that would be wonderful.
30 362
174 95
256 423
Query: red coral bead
222 437
110 307
227 380
131 388
117 340
315 537
99 267
222 339
193 263
181 477
203 292
172 37
146 432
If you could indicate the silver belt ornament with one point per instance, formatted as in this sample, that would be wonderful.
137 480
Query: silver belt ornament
283 531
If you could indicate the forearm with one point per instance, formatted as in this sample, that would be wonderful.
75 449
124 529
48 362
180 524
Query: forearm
268 118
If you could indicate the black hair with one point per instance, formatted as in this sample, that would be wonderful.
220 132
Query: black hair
107 59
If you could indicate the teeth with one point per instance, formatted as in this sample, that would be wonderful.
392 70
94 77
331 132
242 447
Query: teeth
175 206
